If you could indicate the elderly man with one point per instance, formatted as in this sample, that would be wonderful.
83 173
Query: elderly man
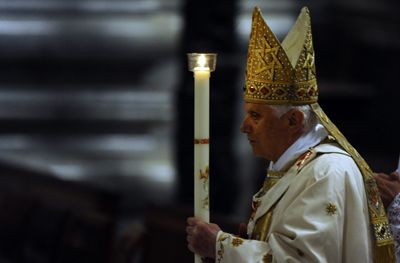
319 202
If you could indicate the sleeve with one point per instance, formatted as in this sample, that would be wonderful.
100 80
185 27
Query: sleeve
394 221
233 249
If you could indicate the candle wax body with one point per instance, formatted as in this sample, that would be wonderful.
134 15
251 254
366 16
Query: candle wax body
201 151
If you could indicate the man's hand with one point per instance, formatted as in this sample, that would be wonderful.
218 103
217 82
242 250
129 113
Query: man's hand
201 237
389 186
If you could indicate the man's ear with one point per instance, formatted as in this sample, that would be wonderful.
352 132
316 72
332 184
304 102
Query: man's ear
294 119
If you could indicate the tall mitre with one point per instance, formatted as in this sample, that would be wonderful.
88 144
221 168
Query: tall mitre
269 75
298 46
285 74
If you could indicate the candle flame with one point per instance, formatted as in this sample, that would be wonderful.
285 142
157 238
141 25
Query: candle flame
202 61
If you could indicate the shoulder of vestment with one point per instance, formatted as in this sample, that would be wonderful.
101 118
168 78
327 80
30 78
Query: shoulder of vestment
317 151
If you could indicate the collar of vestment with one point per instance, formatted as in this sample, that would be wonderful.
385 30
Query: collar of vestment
301 145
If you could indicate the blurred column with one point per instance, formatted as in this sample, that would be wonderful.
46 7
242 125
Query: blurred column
358 54
209 27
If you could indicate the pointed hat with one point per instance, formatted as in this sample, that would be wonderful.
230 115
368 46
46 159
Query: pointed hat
281 73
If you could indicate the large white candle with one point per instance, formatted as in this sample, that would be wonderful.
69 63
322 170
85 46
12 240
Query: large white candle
201 65
201 147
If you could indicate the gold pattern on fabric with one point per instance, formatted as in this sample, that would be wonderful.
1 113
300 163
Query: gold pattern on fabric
221 250
331 209
261 227
267 258
271 179
270 76
384 246
237 241
262 224
275 174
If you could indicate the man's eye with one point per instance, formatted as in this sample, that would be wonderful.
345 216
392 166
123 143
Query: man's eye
255 116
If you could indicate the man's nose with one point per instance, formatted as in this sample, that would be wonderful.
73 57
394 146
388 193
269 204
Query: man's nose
244 127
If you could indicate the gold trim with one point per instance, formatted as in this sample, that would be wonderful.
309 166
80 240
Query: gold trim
275 173
221 250
262 225
268 258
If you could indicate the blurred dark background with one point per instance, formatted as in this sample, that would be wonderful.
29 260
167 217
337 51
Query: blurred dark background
96 116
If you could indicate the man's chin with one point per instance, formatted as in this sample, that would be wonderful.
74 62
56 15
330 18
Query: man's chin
256 152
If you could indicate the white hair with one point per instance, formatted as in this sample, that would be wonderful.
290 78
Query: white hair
310 119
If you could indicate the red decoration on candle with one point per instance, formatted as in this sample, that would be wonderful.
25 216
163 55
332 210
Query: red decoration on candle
201 141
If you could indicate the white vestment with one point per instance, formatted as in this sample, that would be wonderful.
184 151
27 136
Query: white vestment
320 215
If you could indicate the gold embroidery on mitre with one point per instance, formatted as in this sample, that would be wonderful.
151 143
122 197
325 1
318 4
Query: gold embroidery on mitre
269 75
281 74
299 48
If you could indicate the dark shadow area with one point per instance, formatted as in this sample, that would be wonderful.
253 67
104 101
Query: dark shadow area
44 219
